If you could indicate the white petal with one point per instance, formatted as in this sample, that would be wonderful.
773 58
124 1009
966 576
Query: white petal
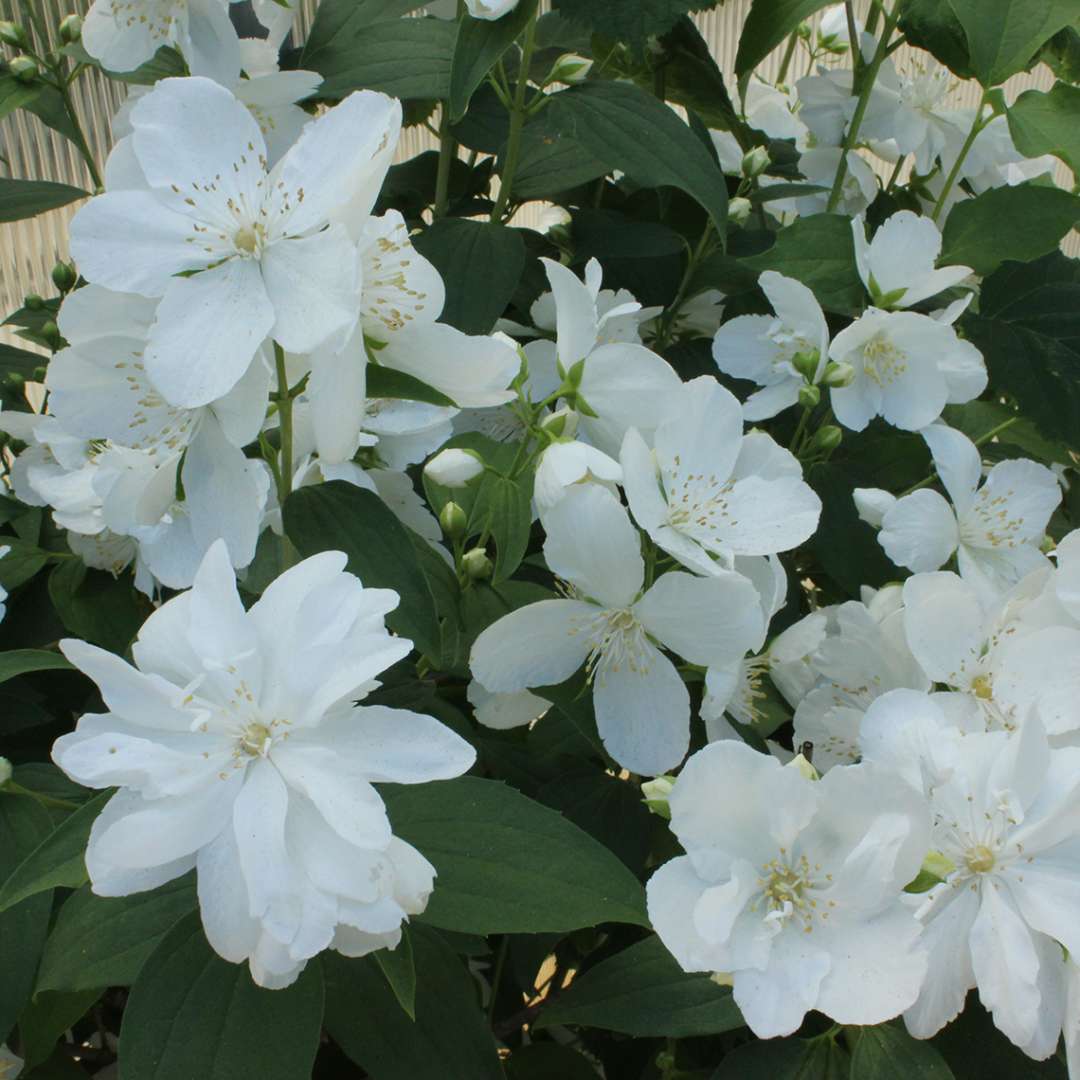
672 893
706 436
337 390
774 1001
742 348
920 531
505 711
797 308
944 625
223 900
575 308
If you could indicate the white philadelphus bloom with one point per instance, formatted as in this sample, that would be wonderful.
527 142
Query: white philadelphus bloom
993 527
897 265
236 251
1004 816
908 367
791 887
611 623
707 492
490 9
239 750
761 348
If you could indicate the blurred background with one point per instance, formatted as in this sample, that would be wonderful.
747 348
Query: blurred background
29 150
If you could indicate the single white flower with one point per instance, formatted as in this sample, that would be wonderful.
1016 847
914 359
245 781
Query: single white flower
239 750
454 468
707 492
1004 809
237 252
761 348
897 265
792 887
609 623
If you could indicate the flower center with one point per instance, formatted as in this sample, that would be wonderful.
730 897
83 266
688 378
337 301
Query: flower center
979 859
618 641
883 361
982 687
255 740
786 893
248 239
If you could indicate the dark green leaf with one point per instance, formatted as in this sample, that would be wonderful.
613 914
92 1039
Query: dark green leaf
340 22
166 63
506 507
449 1040
767 1059
480 43
978 418
20 563
769 22
192 1014
1021 223
15 94
22 361
507 864
94 605
627 128
399 969
1048 124
342 517
629 20
1004 36
104 941
481 264
59 860
818 251
552 160
643 991
888 1052
1061 54
21 661
384 382
48 1017
932 25
544 1061
27 198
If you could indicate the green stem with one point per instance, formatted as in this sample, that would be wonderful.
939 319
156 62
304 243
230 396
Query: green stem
789 54
976 126
895 174
80 144
447 153
853 35
517 122
796 440
285 426
867 78
667 320
496 976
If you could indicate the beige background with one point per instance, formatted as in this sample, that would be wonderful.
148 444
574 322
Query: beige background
28 249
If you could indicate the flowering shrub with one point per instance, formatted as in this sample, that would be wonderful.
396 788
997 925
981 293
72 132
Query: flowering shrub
647 647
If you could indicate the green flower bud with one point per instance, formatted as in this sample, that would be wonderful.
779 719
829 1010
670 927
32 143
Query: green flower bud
51 333
14 381
738 209
64 276
827 438
453 521
806 364
838 375
809 397
13 34
477 564
33 302
39 374
804 31
657 792
561 424
71 29
569 68
24 69
755 162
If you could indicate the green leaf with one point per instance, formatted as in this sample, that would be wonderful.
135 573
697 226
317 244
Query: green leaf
20 563
888 1052
552 161
48 1017
787 1059
932 25
1003 36
58 861
545 1060
104 941
481 264
339 22
22 661
769 22
1048 123
15 94
405 58
1061 54
979 418
507 864
818 251
643 991
384 382
627 128
166 63
480 43
23 825
1021 223
629 20
94 605
449 1040
192 1014
399 969
21 199
342 517
505 508
22 361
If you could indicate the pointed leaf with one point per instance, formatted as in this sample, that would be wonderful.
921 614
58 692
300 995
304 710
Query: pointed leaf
21 199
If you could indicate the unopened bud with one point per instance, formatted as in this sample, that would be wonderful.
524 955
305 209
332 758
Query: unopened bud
738 209
569 68
838 375
804 31
70 29
806 364
39 374
454 468
33 302
14 381
64 276
24 69
561 424
809 397
827 438
453 521
51 333
13 34
477 564
755 162
935 869
802 765
5 771
657 792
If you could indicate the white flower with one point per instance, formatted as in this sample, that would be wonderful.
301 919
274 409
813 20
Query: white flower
994 528
1005 809
818 165
707 493
761 348
10 1064
454 468
608 622
767 109
490 9
792 887
833 30
566 462
897 265
236 252
238 749
907 368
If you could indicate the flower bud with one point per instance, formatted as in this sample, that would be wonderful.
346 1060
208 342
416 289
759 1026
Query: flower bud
827 438
809 397
838 375
453 521
804 31
33 302
14 381
872 504
569 68
806 364
5 771
561 424
70 29
24 69
477 564
51 333
738 209
64 276
454 468
755 162
657 792
801 765
39 374
13 34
